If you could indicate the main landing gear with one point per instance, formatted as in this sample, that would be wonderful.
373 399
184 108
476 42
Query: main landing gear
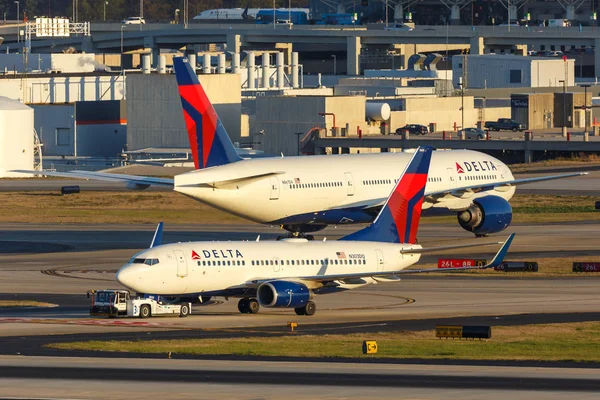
248 306
309 309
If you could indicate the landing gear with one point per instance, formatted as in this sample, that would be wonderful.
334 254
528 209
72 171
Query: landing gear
248 306
482 234
309 309
296 236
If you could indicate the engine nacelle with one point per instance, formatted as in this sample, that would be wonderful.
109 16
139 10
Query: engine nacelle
488 214
282 294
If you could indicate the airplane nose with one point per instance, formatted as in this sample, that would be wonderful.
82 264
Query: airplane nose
128 277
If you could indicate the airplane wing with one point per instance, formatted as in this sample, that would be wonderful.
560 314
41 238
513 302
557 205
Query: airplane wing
132 181
433 197
500 186
231 181
314 281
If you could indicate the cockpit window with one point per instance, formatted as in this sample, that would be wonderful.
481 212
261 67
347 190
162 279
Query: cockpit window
147 261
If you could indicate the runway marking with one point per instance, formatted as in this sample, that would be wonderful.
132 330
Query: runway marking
92 322
406 301
344 327
59 273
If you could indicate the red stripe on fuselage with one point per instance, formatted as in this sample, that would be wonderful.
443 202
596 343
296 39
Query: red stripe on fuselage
410 185
194 95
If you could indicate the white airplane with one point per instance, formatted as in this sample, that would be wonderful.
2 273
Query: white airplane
305 194
288 273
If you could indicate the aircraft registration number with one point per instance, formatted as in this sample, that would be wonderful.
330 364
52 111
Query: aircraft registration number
356 256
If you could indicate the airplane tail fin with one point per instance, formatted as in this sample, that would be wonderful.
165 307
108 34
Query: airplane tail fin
209 141
398 220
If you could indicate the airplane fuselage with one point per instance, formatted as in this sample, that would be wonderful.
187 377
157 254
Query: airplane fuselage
214 267
324 190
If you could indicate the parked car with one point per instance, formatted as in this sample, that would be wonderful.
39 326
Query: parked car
506 124
473 133
134 21
413 129
398 27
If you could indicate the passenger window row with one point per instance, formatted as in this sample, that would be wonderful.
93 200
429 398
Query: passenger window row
480 177
221 263
314 185
434 179
213 263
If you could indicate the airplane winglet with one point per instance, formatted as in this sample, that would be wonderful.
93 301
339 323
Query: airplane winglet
157 239
499 257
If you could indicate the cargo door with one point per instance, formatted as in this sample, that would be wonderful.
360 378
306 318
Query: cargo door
274 181
380 262
349 183
182 268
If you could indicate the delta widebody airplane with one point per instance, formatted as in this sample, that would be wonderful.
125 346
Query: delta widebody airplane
290 272
305 194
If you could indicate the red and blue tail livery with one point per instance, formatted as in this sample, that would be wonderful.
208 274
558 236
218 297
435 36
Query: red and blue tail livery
398 220
209 141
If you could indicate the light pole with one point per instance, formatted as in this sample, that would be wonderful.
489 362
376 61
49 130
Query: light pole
105 3
141 8
334 64
122 63
564 117
585 114
509 15
18 23
462 103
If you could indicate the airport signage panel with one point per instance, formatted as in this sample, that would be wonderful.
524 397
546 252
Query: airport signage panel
586 267
459 263
369 347
517 266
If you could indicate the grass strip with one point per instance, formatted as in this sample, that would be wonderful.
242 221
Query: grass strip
25 303
579 342
170 207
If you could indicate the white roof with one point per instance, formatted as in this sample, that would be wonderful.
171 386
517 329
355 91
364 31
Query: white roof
10 104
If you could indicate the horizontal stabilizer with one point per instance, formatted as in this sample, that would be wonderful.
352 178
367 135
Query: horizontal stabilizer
141 181
442 248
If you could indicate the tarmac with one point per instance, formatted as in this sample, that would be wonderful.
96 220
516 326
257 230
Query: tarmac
60 263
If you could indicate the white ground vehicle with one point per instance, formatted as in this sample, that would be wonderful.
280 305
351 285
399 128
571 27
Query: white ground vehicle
116 303
134 21
561 23
399 27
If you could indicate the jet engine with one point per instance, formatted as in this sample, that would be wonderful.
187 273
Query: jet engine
282 294
488 214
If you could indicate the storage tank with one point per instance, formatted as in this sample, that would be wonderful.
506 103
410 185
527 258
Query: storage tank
16 137
378 111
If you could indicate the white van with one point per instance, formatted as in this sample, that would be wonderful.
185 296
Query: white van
561 23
